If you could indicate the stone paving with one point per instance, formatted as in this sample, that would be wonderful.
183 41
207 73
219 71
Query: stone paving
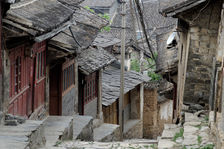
108 145
194 134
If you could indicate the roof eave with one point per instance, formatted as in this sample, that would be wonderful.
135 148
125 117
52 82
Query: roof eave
54 31
173 11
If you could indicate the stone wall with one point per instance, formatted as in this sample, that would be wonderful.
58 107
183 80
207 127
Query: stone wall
150 128
217 129
202 48
68 103
90 108
155 114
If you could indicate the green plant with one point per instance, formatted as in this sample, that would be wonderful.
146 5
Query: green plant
199 139
206 118
184 147
88 8
198 126
135 65
154 76
58 143
179 134
208 146
153 146
104 16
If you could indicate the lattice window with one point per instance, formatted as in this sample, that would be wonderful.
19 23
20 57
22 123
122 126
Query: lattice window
68 72
90 88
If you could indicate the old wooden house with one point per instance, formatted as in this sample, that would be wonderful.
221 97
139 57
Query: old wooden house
133 100
77 65
27 28
91 61
40 56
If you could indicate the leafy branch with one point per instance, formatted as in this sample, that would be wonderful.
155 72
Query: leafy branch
104 16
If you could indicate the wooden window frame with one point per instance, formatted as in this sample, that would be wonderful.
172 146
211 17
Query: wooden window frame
68 76
90 88
40 65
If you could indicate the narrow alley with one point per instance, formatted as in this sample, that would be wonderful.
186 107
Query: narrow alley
111 74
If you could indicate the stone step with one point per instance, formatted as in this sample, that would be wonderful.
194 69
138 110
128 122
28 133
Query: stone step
107 133
83 128
27 135
141 141
57 129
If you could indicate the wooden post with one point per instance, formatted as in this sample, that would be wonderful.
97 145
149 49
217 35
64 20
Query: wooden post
121 111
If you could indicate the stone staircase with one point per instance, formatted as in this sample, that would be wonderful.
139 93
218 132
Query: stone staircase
27 135
58 129
87 129
194 134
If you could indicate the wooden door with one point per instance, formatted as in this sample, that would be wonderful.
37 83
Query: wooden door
81 78
55 93
31 72
39 74
19 82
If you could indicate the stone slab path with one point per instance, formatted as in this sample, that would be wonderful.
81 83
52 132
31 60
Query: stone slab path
57 129
194 134
134 144
27 135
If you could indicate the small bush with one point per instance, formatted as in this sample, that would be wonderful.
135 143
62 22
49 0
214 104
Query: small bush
179 134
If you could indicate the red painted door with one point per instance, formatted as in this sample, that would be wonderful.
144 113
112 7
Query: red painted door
27 80
39 74
19 83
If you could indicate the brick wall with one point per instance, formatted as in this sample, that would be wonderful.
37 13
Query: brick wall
202 48
150 128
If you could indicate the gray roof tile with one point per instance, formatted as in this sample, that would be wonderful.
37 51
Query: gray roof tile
111 84
92 59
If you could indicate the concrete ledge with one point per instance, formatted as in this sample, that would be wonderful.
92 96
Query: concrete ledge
107 133
58 128
83 128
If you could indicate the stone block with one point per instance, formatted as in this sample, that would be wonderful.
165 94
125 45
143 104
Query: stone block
170 133
83 128
166 144
11 123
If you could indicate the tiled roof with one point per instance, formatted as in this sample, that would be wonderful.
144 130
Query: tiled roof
98 3
105 40
155 22
92 59
177 6
83 33
111 84
39 17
